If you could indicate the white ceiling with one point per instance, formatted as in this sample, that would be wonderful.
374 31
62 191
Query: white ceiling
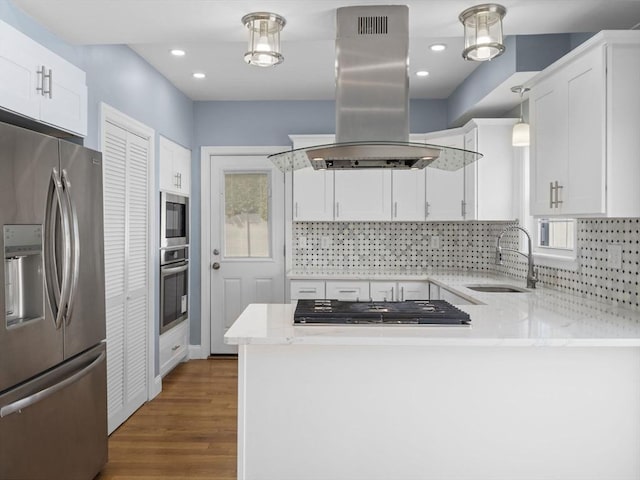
215 39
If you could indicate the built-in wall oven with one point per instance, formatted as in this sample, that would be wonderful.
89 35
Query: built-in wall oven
174 287
174 220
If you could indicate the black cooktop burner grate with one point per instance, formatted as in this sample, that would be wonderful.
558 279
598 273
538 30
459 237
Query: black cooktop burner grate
411 312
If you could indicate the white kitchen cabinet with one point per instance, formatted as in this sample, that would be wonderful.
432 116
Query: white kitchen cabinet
584 124
312 189
413 290
39 84
488 181
481 190
312 195
173 347
445 189
408 192
307 289
383 291
348 290
362 195
175 167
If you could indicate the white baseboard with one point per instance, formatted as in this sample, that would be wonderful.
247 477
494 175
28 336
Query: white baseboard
156 387
196 352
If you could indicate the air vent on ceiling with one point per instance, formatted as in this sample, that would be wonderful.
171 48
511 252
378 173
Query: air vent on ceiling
373 25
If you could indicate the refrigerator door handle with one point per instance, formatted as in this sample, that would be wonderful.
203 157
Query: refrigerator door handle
75 246
47 392
55 293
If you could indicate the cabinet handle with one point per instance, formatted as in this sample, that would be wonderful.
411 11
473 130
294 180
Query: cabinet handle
296 210
175 347
463 208
393 297
40 81
395 209
550 194
558 188
347 291
337 209
50 77
307 291
426 209
402 294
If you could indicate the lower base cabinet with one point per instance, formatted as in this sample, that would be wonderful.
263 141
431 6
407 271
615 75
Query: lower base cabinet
173 347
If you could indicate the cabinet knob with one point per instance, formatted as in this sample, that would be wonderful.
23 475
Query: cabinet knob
215 266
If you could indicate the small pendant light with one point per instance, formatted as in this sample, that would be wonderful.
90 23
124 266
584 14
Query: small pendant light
264 38
520 136
483 32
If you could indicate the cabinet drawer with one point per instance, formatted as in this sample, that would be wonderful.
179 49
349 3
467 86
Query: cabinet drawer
303 289
173 347
350 291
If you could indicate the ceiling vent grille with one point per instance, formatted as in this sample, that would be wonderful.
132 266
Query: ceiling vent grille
373 25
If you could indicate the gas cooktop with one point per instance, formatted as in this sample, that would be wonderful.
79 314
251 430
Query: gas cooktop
409 312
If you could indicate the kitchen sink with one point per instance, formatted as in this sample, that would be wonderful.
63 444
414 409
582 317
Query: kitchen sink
497 289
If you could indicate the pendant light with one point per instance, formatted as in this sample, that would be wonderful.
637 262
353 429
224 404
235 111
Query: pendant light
483 31
264 38
520 136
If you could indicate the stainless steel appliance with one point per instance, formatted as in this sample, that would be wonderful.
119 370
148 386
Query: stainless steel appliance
174 287
408 312
174 220
53 402
372 100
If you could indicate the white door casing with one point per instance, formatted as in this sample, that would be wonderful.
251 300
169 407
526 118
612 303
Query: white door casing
240 279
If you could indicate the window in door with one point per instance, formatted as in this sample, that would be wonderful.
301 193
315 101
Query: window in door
247 213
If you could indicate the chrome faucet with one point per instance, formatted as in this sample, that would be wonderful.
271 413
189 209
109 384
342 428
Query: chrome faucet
532 273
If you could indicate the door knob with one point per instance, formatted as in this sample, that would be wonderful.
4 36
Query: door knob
216 252
215 266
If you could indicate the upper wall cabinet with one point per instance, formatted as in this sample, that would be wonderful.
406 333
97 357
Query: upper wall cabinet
175 167
482 190
488 182
445 189
39 84
584 130
312 189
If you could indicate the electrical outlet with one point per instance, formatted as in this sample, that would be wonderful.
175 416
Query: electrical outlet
326 242
435 241
302 242
614 257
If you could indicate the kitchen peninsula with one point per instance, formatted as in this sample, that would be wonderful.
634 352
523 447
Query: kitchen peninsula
541 385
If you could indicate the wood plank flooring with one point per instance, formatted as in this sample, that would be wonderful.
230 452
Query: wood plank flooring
186 432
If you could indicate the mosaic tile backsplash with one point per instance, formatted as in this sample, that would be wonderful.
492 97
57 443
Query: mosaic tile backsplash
394 246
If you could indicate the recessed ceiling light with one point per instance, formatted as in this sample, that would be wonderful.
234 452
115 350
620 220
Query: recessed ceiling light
422 73
178 53
438 47
199 75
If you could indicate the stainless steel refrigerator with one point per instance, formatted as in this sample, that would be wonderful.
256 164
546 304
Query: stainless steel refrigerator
53 405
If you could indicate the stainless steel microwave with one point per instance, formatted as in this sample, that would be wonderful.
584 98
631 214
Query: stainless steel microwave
174 220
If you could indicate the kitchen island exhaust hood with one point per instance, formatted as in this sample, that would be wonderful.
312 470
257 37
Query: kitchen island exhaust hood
372 100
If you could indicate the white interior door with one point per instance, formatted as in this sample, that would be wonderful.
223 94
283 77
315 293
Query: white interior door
247 240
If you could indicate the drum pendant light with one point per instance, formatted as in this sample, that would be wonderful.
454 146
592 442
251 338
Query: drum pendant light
520 134
483 32
264 38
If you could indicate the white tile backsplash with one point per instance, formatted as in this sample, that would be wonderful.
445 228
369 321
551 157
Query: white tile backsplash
380 246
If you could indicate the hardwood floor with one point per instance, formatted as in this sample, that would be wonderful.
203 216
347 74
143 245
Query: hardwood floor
186 432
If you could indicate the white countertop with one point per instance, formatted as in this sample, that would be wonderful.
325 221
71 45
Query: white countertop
540 317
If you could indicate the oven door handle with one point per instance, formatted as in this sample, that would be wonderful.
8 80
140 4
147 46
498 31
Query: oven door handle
170 270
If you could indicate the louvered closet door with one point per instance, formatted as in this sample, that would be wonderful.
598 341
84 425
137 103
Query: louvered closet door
126 263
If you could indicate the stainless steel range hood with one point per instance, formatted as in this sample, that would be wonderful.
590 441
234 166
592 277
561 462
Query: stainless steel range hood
372 100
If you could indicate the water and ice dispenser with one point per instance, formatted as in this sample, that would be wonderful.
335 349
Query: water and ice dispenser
23 273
